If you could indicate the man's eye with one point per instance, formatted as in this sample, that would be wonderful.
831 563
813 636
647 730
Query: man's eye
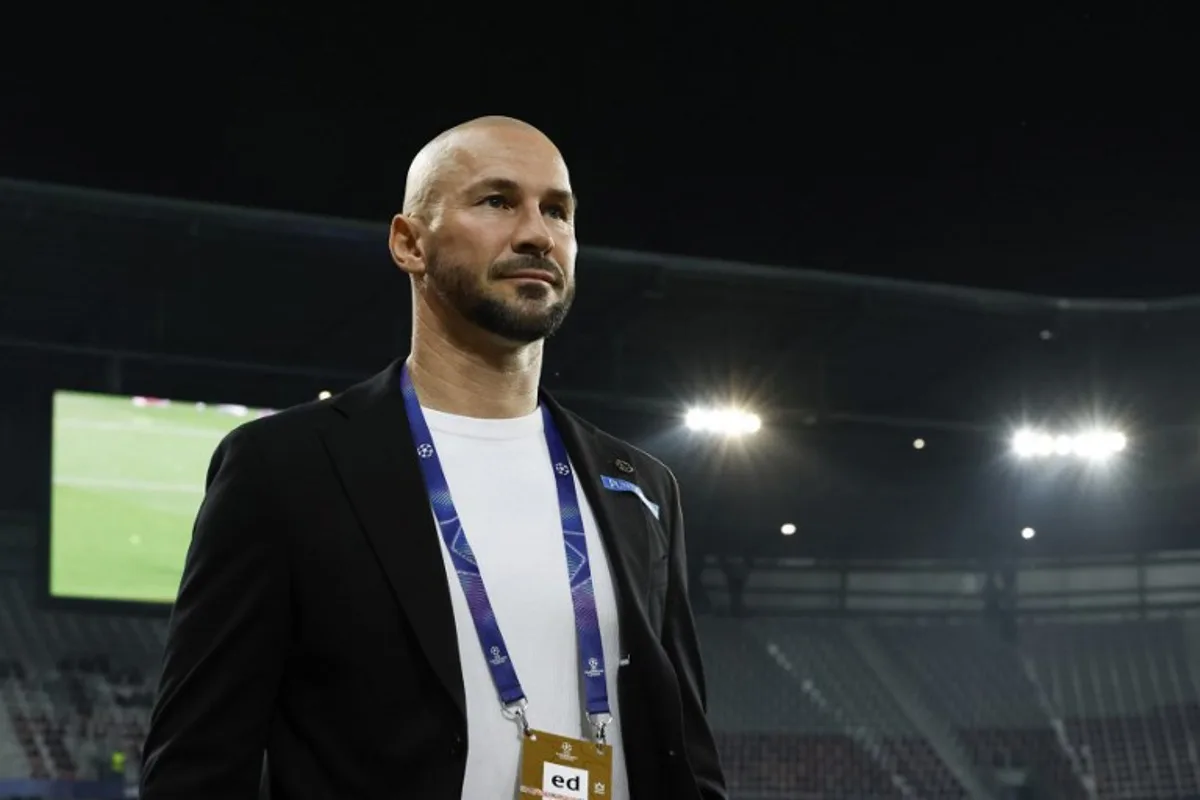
558 212
495 201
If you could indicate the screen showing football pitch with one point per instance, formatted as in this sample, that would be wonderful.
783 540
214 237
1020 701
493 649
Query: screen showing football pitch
127 480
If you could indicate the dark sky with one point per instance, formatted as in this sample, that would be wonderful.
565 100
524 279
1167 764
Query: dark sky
1042 149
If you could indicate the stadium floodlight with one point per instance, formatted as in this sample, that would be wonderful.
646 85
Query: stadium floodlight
787 529
723 421
1028 533
1095 445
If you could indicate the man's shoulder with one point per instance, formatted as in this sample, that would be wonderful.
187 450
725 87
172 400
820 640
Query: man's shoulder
302 424
643 463
282 431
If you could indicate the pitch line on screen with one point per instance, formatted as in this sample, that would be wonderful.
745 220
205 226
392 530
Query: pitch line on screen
139 427
129 485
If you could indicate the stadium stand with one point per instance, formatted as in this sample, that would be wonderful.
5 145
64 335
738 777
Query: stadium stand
827 667
781 738
77 689
801 708
978 683
934 703
1128 698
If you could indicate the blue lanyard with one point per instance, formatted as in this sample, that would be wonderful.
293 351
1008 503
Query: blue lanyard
579 571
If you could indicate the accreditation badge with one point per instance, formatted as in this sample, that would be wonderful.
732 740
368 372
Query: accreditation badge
561 768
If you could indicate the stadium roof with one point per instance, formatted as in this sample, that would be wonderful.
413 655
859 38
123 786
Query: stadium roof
137 294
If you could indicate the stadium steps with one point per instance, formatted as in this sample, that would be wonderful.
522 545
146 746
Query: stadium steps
933 727
776 743
20 712
14 763
828 670
977 682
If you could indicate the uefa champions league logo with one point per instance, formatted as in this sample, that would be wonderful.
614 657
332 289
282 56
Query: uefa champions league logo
425 450
498 657
594 670
562 469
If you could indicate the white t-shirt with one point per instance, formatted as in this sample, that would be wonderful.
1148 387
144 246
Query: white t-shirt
503 486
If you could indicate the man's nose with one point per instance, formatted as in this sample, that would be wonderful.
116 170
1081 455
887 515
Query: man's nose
532 236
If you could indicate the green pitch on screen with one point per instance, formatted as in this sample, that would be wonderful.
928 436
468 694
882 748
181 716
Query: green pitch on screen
128 477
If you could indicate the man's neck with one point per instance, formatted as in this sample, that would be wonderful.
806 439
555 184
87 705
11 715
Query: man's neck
482 382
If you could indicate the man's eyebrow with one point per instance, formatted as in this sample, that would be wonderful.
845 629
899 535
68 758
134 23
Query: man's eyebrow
508 186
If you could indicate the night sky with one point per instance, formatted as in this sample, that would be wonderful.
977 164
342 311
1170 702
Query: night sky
1039 149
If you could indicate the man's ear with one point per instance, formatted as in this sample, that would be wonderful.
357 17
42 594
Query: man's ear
404 241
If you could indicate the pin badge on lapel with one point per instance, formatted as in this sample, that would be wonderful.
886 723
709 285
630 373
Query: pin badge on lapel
624 466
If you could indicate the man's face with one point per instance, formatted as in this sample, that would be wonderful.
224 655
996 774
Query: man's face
501 244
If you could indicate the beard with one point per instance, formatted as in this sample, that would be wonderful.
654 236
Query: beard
509 319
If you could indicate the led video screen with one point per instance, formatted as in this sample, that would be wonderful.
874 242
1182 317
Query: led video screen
127 479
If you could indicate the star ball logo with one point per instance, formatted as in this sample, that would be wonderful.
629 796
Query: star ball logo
562 469
425 450
498 656
594 670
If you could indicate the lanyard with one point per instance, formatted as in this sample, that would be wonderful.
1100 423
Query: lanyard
579 571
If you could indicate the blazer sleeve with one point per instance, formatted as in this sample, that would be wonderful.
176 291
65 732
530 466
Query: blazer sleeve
226 642
683 649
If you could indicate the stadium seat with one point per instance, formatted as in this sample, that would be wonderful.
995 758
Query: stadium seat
800 713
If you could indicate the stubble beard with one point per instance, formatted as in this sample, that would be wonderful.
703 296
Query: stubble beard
455 285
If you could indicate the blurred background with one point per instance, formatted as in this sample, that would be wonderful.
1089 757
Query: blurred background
907 299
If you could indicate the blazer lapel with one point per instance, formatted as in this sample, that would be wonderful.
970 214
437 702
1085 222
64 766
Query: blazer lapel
375 458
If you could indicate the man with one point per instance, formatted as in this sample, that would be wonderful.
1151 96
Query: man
411 589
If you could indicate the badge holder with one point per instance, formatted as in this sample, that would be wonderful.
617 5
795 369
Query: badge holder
560 767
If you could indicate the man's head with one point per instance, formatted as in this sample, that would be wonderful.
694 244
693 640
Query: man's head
488 229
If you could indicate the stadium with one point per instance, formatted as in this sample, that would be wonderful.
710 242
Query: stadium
941 539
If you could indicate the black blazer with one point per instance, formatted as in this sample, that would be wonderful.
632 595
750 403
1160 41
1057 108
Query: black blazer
314 622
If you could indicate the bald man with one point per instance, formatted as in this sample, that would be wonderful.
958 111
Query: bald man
440 583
